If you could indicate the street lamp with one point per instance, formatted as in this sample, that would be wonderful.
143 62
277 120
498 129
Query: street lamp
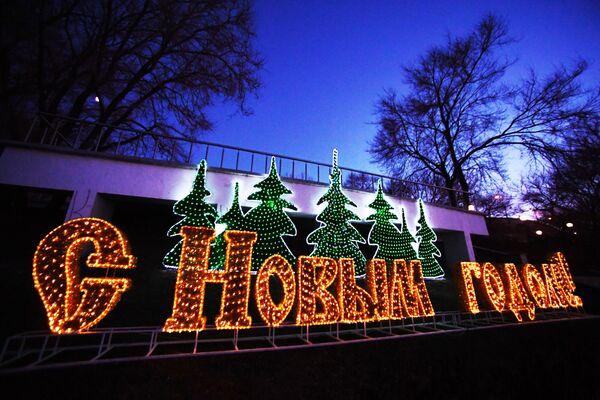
538 232
569 224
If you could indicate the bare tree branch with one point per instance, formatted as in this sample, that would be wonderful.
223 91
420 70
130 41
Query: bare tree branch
158 63
458 116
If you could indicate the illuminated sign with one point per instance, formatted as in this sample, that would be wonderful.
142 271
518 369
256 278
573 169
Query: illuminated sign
324 290
550 286
323 287
73 304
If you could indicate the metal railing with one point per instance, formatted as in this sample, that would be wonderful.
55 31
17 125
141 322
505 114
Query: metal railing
40 350
76 134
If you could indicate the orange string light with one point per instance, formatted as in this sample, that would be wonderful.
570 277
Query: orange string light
534 283
466 287
315 275
193 274
356 305
188 303
562 270
551 286
408 293
517 299
377 286
73 305
274 314
394 291
492 287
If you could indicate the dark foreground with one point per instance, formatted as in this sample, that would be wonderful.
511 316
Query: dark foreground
554 359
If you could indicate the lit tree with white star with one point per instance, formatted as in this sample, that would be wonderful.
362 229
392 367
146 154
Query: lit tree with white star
407 241
384 234
269 220
336 237
233 219
427 250
196 212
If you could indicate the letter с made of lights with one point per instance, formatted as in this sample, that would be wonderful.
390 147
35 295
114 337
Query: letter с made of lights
324 290
74 305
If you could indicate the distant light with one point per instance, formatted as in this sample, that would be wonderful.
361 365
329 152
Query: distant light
538 232
549 218
522 217
497 197
97 99
471 207
569 224
574 233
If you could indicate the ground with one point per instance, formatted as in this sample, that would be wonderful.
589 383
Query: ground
559 360
551 360
556 359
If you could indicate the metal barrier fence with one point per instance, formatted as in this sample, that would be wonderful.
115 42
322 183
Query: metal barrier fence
40 350
74 134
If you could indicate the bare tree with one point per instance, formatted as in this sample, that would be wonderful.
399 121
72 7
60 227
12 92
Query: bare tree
566 195
496 204
458 115
360 181
569 190
154 65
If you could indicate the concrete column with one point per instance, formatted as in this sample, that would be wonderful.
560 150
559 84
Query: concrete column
469 244
458 247
88 203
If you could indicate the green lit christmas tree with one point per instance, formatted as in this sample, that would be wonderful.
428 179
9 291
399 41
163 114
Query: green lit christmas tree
269 220
407 240
336 237
384 234
427 250
196 212
233 219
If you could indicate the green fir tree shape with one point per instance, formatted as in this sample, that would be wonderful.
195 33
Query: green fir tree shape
196 212
384 234
269 220
233 220
427 250
336 237
407 250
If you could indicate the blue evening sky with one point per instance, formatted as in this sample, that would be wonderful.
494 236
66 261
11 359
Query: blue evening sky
327 62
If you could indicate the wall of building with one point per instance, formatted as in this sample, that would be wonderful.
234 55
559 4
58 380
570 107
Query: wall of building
94 179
